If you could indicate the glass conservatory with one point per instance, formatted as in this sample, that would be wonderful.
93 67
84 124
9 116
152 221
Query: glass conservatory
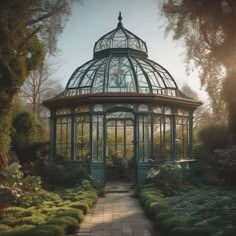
121 112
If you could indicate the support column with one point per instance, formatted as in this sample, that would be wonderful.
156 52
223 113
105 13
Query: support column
173 142
190 131
52 136
73 144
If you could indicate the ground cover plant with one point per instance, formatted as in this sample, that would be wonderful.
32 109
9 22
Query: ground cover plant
187 209
58 212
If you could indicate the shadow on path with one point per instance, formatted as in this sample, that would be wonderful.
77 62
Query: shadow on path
118 213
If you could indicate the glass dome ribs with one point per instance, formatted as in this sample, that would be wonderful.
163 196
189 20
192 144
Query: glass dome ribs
121 74
120 38
120 64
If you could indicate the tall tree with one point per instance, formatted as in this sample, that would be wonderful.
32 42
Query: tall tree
207 29
39 85
27 29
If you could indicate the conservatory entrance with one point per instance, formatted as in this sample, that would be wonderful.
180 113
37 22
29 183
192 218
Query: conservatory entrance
120 146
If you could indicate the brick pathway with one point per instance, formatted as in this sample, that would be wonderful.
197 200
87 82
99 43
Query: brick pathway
116 214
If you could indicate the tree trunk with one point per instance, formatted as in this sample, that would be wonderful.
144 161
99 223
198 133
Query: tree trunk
6 102
3 160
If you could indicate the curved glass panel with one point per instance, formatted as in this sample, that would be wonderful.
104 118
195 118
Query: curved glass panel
120 38
121 77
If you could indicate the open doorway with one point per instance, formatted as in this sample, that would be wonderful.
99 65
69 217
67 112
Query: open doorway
120 161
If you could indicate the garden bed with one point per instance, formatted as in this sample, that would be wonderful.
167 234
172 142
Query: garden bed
60 214
198 211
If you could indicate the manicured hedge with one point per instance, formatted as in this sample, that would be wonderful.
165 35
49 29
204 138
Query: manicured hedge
206 211
57 217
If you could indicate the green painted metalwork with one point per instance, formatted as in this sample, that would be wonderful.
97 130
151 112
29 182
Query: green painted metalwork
142 170
97 172
92 116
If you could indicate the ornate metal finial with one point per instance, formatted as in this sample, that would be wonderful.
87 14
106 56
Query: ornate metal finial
120 19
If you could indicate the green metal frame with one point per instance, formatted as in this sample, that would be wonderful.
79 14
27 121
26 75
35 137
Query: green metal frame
120 77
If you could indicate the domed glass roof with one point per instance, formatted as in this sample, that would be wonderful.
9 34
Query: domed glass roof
120 38
120 65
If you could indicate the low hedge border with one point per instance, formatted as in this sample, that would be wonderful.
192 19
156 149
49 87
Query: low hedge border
158 208
58 219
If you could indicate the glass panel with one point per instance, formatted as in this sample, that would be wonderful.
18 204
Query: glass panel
161 138
182 138
119 139
141 79
82 138
76 77
98 107
63 111
182 112
129 136
158 110
63 138
144 138
143 108
168 111
120 115
81 109
97 139
121 78
164 75
119 40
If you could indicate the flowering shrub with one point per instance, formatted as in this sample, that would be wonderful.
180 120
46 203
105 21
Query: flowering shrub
20 190
168 178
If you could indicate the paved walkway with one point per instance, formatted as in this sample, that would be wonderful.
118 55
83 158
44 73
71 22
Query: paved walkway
117 214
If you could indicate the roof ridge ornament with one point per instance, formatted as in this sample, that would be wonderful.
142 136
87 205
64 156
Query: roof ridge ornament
120 19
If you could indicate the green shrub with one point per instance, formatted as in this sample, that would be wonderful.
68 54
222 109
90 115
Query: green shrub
161 216
75 213
27 130
192 231
32 220
85 200
214 137
61 173
168 178
8 220
69 224
46 230
4 228
80 205
157 207
48 210
226 163
173 222
24 227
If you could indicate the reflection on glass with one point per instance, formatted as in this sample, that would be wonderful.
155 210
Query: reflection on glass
144 138
97 139
182 138
63 138
161 138
82 137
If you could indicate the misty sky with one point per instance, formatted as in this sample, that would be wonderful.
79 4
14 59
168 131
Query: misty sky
95 18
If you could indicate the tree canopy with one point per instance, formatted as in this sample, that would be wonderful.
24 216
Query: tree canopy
207 29
28 29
